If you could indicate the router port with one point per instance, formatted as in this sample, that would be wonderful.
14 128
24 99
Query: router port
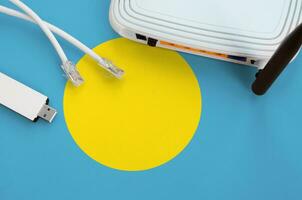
238 58
152 42
141 37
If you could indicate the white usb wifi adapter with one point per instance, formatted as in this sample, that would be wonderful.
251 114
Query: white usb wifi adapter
24 100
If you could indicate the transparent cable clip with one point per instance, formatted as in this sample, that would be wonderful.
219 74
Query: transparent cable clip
110 67
72 73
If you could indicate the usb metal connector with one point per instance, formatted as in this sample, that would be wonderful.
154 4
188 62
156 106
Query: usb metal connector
47 113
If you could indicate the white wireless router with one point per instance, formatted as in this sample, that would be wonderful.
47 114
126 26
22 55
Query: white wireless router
262 33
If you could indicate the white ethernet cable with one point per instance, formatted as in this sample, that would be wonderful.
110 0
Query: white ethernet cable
24 100
103 62
69 69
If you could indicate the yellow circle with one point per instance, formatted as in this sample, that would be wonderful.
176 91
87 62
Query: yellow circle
142 121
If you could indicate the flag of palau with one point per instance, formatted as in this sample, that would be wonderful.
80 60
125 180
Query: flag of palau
176 126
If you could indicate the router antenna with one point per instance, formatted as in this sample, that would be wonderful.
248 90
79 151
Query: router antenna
287 50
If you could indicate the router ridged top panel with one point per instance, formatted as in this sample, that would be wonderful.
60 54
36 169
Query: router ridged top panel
242 27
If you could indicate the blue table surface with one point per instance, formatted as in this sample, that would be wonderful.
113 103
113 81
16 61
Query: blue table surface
246 147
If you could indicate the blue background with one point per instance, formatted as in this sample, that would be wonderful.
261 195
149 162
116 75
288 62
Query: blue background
246 147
